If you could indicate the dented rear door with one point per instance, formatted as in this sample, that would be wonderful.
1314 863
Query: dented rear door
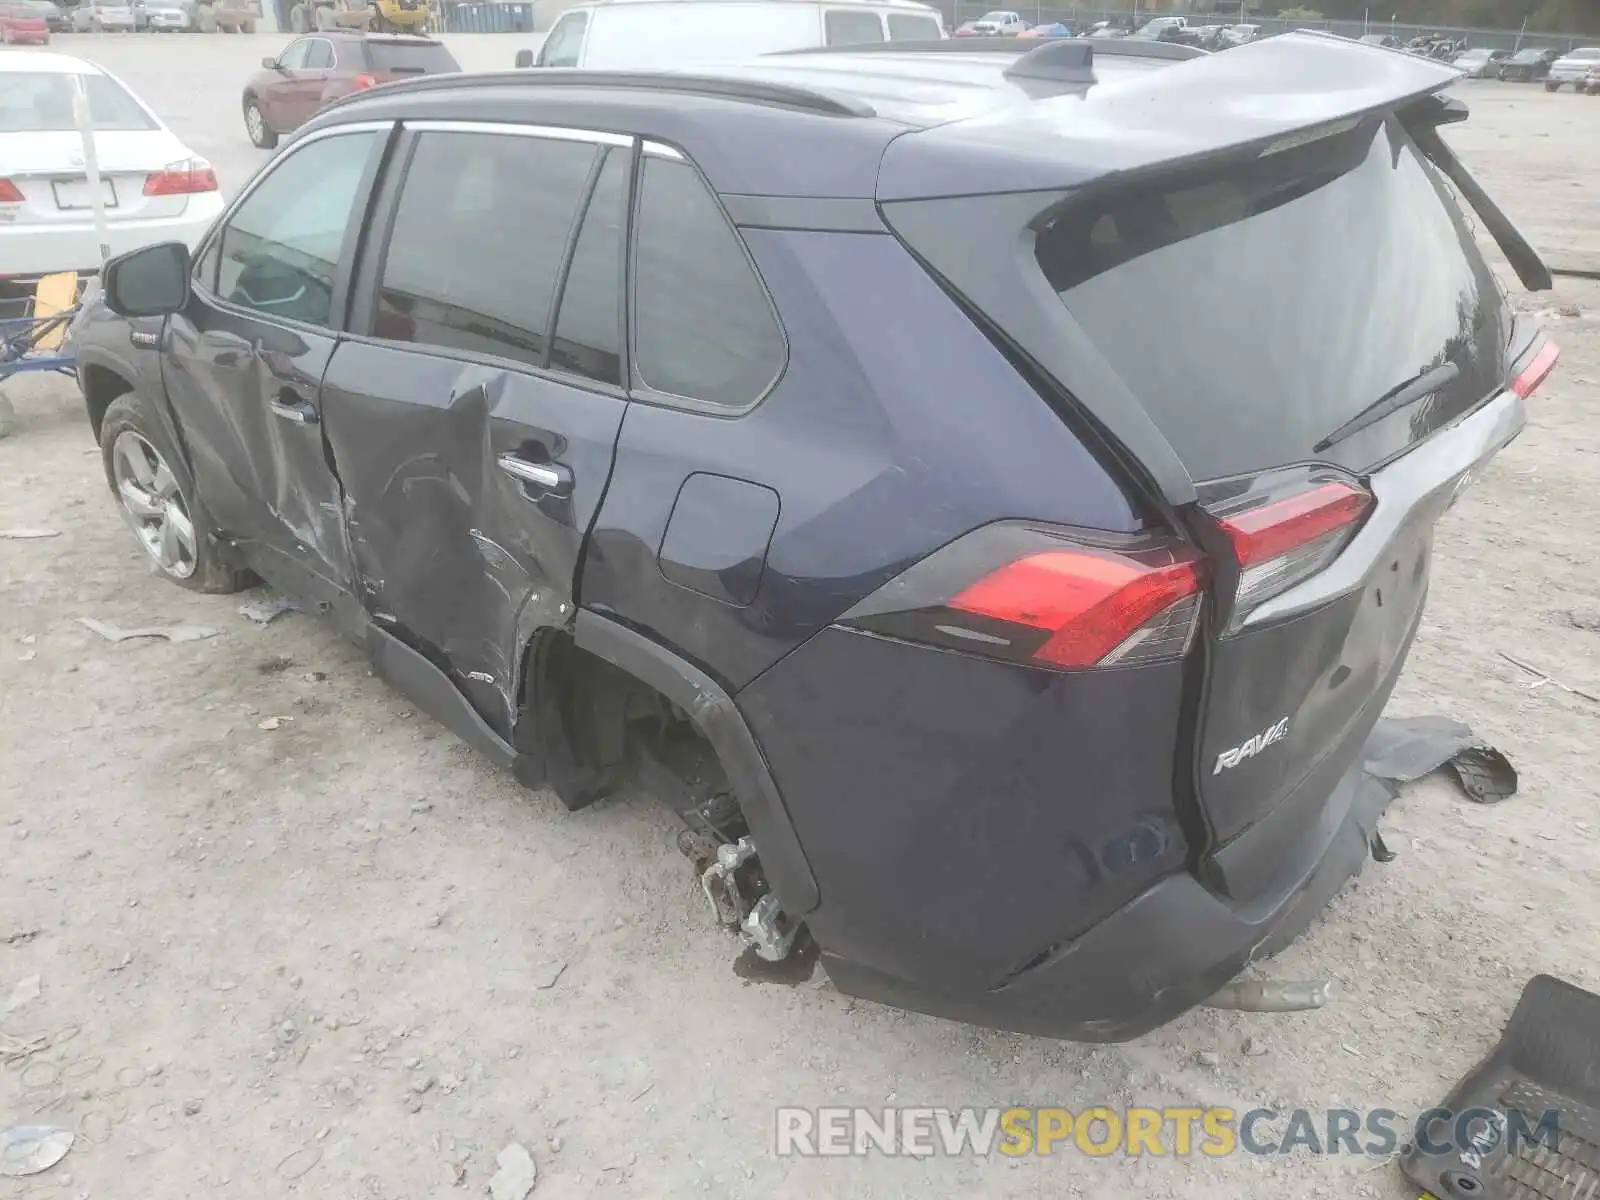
475 409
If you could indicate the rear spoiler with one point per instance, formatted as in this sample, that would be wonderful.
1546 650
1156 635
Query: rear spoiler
1422 120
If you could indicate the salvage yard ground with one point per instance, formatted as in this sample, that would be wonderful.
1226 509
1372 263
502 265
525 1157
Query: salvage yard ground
292 938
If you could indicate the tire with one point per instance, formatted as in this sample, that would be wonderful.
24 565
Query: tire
255 124
247 26
156 502
1551 87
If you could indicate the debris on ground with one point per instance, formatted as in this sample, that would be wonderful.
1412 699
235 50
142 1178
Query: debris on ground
276 665
30 1149
27 535
171 633
1264 995
1404 749
1541 678
272 723
1586 620
548 975
517 1173
266 609
1380 849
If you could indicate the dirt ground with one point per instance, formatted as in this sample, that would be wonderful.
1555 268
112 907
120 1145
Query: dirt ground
343 957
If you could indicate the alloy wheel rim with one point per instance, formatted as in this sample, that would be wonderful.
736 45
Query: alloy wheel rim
252 120
153 504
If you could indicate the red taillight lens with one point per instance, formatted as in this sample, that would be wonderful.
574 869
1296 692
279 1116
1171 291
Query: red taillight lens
1537 371
365 81
1045 597
182 179
1286 531
9 192
1089 603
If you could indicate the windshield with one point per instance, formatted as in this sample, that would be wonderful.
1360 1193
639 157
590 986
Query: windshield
41 102
1255 306
411 58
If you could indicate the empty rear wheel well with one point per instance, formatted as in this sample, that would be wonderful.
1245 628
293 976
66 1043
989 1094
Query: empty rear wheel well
597 727
101 386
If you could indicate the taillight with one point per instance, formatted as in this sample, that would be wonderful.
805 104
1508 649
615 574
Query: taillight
1047 597
1537 370
182 179
9 192
1285 528
365 81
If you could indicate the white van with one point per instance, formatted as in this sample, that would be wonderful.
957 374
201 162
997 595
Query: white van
649 33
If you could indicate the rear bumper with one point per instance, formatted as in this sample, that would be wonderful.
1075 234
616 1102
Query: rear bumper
73 246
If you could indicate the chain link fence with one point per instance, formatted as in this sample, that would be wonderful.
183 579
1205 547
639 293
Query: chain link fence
1079 18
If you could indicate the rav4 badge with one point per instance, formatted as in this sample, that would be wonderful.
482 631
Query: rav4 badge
1251 747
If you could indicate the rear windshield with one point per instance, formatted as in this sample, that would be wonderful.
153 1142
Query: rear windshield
1254 307
41 102
411 59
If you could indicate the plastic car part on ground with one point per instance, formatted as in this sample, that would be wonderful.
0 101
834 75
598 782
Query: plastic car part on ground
30 1149
1499 1146
1403 749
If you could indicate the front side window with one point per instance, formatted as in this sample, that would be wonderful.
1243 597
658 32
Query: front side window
478 240
842 27
320 55
565 43
294 58
280 248
705 329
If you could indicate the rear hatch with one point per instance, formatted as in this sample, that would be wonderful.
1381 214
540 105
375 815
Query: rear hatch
1295 342
399 60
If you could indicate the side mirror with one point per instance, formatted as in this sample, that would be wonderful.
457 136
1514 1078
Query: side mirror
270 63
149 282
524 59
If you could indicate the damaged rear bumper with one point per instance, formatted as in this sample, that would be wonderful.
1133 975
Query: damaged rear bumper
1162 953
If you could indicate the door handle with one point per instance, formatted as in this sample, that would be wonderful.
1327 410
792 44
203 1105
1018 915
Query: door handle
294 408
550 477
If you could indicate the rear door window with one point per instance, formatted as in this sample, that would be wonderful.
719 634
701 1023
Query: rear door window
842 27
478 239
704 328
906 27
1254 307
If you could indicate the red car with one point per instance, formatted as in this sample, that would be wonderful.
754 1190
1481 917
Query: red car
318 68
22 24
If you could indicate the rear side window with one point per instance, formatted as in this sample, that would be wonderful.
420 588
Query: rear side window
904 27
842 27
588 339
704 328
1255 306
475 252
410 58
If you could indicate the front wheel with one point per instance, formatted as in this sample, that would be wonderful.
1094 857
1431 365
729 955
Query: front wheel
1552 87
164 514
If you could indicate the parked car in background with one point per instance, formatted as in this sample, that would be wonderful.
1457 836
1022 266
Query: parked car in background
1034 677
1240 35
1480 62
1591 81
999 23
170 16
1107 29
651 33
154 188
315 70
23 25
1162 28
108 16
1528 66
56 19
1379 39
1572 68
1056 29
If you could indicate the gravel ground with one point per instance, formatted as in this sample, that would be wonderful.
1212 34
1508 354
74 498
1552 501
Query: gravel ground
343 957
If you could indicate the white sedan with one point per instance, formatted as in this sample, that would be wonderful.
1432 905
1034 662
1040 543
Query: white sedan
154 188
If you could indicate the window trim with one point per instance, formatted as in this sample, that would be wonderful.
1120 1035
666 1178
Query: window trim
374 250
640 390
344 277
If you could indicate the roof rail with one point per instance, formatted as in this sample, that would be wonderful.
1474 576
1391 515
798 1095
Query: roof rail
1121 47
779 95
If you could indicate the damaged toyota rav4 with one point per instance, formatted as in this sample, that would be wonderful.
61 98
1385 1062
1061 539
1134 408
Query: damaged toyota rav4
986 491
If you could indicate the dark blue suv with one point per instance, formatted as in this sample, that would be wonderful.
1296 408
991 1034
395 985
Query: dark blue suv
987 492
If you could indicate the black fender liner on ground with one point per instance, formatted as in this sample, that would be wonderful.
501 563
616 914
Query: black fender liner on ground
718 718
